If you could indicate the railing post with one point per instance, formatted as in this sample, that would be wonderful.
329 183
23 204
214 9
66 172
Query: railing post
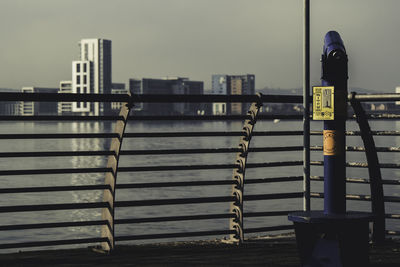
111 177
236 223
374 171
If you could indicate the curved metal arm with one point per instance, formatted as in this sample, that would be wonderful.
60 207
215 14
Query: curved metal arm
236 208
375 177
111 177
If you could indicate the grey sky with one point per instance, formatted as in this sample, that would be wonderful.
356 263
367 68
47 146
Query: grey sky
198 38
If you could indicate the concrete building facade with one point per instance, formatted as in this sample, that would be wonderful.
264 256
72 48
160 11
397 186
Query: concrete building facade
91 74
30 108
117 88
9 108
65 108
168 86
223 84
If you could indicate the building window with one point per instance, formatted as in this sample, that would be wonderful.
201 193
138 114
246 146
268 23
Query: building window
85 90
84 79
85 67
78 67
78 79
78 104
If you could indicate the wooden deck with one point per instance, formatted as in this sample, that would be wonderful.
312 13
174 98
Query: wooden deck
198 253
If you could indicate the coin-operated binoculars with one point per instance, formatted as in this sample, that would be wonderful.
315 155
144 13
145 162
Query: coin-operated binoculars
332 237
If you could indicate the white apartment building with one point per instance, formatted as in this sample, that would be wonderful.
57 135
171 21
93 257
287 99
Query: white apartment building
65 107
91 74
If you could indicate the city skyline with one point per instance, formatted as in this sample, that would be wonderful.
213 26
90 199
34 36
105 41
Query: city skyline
196 39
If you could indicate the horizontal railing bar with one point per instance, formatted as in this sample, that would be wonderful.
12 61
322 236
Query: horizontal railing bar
200 200
207 183
360 164
391 182
361 149
392 216
274 180
60 118
54 171
180 117
174 184
149 98
375 97
360 197
207 167
207 134
267 229
176 168
58 136
55 154
358 180
358 133
51 225
182 134
65 97
217 98
174 235
179 151
274 164
175 218
383 116
208 150
267 213
390 232
62 206
386 133
391 199
273 196
348 180
212 117
54 242
54 188
176 201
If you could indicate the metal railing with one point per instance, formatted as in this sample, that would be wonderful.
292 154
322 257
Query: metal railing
108 205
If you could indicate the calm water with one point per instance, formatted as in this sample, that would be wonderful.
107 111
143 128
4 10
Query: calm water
180 192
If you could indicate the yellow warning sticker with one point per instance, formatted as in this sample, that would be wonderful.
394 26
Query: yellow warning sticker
323 103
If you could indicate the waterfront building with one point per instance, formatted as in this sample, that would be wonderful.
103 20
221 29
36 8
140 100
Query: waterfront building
135 87
117 88
91 74
30 108
9 108
169 86
65 108
223 84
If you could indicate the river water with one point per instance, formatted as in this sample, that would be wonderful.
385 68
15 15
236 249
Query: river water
178 192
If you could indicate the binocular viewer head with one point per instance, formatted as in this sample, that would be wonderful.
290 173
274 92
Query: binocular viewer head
333 46
334 60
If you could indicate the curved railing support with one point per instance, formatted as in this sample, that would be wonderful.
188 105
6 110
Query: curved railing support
111 177
236 208
375 177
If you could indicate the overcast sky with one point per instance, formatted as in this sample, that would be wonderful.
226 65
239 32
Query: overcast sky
198 38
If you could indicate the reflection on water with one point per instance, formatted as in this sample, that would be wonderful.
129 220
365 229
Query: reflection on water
83 144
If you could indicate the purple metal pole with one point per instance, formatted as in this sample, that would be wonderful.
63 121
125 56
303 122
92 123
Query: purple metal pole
334 73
